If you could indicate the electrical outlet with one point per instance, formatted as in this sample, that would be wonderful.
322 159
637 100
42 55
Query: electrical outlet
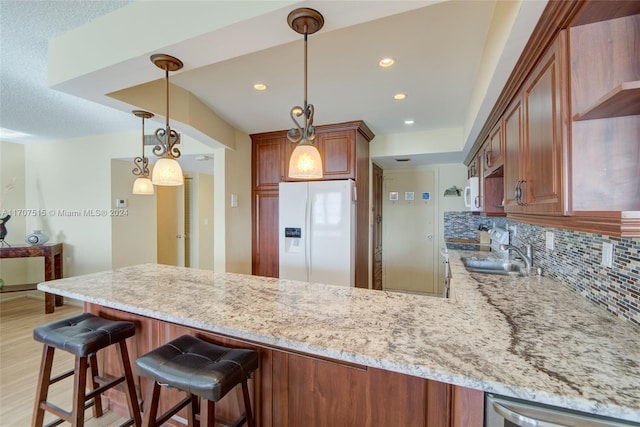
548 235
607 254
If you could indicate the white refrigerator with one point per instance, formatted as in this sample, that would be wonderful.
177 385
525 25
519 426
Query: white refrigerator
317 231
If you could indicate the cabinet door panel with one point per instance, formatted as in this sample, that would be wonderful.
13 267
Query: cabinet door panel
267 163
543 189
265 235
512 163
338 154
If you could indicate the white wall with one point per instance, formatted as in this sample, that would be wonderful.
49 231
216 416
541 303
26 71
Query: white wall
204 196
21 270
133 235
71 181
233 225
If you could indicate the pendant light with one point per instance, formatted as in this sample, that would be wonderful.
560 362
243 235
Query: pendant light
142 184
305 161
167 170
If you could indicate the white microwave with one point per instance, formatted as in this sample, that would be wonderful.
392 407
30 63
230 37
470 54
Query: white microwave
472 194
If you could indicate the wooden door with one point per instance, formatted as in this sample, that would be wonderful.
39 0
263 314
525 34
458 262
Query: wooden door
513 168
542 190
170 221
376 236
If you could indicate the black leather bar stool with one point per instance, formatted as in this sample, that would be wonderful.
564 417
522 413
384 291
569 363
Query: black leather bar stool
202 370
83 335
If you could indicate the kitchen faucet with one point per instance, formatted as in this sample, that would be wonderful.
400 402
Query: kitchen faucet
527 258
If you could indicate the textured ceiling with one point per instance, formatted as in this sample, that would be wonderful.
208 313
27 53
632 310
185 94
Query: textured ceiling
26 103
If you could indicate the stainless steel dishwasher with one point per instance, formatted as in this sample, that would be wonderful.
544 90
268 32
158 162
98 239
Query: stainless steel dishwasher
503 411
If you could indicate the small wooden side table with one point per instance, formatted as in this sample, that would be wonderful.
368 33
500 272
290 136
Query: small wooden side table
52 253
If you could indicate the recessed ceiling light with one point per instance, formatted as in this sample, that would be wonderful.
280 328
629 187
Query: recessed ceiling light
409 122
260 86
400 96
386 62
403 159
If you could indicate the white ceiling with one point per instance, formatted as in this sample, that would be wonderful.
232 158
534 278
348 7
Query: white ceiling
439 48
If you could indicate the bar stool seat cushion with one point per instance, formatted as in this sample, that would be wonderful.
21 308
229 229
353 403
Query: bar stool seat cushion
198 367
83 334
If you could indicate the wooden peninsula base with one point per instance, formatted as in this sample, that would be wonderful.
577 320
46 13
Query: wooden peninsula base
294 389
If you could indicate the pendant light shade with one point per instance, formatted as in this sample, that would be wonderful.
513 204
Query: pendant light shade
167 171
305 162
143 186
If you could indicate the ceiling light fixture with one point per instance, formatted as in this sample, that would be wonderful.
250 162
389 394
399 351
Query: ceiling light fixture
167 170
305 161
142 184
260 86
400 96
409 122
386 62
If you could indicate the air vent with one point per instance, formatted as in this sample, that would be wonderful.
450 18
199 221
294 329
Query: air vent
403 159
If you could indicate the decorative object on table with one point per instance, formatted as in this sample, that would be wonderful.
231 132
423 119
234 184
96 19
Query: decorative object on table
142 184
3 230
453 191
36 238
167 170
305 161
3 220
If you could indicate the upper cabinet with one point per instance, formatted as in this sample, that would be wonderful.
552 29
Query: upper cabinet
605 89
492 150
570 120
534 139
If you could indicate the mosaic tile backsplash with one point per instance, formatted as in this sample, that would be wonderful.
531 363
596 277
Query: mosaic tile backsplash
575 260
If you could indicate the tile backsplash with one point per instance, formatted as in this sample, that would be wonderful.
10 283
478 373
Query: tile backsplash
575 260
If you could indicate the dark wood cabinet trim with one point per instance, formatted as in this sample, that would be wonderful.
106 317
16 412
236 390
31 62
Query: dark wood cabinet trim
557 15
615 224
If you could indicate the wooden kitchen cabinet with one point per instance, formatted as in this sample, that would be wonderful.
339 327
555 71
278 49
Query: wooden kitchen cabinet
536 150
512 169
491 182
267 158
338 152
492 151
344 148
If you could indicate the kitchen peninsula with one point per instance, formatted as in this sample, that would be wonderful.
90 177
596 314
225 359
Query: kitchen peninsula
381 358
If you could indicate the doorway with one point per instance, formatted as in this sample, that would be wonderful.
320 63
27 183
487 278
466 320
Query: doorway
410 231
170 202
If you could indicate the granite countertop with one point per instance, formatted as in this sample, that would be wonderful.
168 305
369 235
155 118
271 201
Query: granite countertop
526 337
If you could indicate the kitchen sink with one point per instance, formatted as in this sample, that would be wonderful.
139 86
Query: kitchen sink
493 266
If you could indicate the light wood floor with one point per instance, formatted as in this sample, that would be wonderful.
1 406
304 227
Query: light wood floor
20 360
